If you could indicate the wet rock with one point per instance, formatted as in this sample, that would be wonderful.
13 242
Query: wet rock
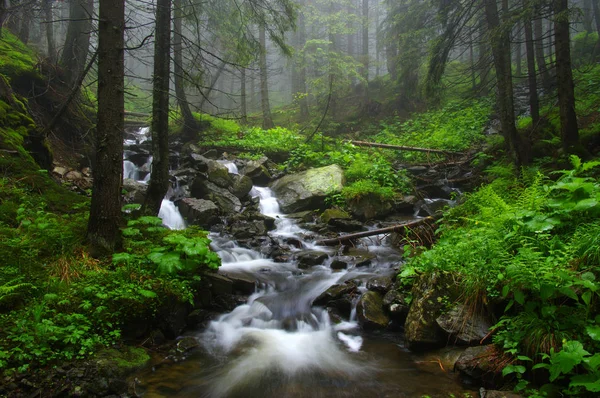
211 154
394 302
303 216
257 170
73 175
431 207
242 284
199 212
241 185
345 225
370 313
59 171
157 337
307 190
380 284
340 263
334 214
311 258
463 326
360 257
336 292
199 162
219 284
186 344
431 293
481 363
219 174
370 206
499 394
172 318
198 318
135 192
406 204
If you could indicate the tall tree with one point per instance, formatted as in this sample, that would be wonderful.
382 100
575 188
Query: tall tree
48 21
189 123
365 48
534 105
564 76
103 231
500 43
159 180
77 42
264 81
538 33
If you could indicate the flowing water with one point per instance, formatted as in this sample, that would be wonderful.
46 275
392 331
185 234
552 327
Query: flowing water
278 345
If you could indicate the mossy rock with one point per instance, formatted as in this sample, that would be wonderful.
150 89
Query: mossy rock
121 362
334 214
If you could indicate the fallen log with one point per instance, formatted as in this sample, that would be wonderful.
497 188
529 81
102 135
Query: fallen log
396 228
404 148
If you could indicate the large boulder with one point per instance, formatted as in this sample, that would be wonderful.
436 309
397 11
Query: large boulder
218 174
257 170
227 202
370 206
310 258
431 293
465 326
199 212
307 190
370 313
241 185
135 191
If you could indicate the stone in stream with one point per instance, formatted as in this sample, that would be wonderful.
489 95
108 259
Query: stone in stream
370 313
394 302
340 262
199 212
311 258
482 363
199 162
370 206
219 174
135 192
380 283
431 293
258 172
336 292
225 200
360 257
308 190
241 185
465 327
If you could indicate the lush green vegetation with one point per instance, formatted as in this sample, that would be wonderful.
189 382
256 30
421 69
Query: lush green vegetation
530 247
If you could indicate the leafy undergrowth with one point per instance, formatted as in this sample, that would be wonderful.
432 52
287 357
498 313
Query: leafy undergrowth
531 248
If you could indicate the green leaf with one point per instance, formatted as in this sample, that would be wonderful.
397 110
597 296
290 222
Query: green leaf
167 263
570 293
513 369
590 382
519 297
593 331
148 293
586 204
546 291
505 290
587 297
564 361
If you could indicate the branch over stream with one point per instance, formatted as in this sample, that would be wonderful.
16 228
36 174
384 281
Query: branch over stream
400 228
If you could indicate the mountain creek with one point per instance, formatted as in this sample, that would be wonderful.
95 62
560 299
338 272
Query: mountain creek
294 318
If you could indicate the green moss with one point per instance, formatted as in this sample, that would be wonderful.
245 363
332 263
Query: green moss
16 58
126 358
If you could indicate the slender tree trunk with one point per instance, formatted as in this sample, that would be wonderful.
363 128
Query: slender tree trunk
534 105
538 32
264 86
159 180
77 42
47 8
483 62
472 63
365 48
25 25
564 77
302 88
252 101
518 52
189 123
213 84
243 95
351 45
502 63
103 231
588 15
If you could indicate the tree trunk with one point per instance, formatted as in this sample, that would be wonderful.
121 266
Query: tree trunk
159 180
351 46
538 32
534 105
499 37
189 123
47 8
564 77
483 62
26 15
302 89
243 95
264 86
518 53
77 42
588 15
213 83
365 49
103 231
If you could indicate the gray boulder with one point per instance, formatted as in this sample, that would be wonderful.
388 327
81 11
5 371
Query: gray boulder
311 258
241 185
464 326
431 293
257 170
199 212
307 190
370 313
370 206
135 192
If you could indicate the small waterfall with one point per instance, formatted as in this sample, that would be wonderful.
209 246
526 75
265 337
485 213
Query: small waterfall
231 167
169 213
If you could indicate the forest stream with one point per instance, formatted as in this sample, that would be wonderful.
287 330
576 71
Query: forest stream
278 345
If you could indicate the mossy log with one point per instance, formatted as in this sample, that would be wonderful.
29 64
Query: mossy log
404 148
400 228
